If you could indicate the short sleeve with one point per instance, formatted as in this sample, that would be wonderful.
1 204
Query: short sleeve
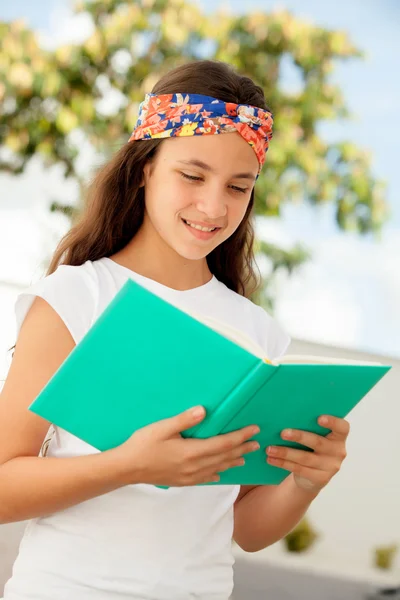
279 342
71 291
274 339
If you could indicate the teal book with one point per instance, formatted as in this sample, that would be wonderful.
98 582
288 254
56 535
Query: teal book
144 360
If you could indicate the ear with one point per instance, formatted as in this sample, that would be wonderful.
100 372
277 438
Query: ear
146 173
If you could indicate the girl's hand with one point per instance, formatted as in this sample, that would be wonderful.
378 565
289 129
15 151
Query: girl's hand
313 470
159 455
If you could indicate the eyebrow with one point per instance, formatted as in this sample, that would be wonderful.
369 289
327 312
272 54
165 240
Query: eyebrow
199 163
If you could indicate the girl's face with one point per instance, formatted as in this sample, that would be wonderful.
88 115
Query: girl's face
197 190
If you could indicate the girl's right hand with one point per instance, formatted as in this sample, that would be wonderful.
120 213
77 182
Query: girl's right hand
159 455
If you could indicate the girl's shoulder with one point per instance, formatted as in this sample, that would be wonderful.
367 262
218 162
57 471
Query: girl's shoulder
264 328
72 291
274 338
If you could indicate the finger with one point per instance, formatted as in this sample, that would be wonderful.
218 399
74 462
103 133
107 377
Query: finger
302 457
340 428
209 478
238 462
315 475
202 477
215 460
312 440
185 420
210 474
226 442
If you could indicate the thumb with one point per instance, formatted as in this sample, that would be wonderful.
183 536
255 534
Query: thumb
185 420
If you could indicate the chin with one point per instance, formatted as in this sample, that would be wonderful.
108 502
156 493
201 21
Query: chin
192 253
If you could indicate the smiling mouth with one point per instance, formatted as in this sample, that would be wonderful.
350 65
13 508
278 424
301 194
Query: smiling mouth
200 227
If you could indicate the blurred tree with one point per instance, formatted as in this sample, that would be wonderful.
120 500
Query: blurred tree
384 556
47 97
302 537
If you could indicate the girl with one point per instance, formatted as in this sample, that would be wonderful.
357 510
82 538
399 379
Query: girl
172 211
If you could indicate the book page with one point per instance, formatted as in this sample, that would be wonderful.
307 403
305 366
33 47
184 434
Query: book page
323 360
240 338
248 344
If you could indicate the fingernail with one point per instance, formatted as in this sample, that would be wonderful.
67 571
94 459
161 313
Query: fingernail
287 432
198 412
255 446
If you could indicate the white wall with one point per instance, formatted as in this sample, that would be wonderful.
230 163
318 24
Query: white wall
8 294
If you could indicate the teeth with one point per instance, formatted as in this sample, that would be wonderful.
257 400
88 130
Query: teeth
199 226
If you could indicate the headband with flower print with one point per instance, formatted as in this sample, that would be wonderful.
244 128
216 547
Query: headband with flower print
175 115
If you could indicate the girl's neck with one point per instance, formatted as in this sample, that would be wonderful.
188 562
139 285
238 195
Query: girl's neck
162 264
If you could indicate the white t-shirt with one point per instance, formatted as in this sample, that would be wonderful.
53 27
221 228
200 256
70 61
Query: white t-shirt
139 542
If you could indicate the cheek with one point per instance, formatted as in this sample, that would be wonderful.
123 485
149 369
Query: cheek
181 196
173 199
237 212
164 209
162 201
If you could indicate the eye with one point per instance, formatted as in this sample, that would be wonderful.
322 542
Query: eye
190 177
194 178
238 189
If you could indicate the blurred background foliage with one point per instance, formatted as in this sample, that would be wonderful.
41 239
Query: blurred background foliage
302 537
47 96
384 556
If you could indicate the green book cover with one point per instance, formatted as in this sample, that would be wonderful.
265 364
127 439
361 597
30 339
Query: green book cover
144 360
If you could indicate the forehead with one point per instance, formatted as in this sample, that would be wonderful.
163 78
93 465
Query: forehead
224 149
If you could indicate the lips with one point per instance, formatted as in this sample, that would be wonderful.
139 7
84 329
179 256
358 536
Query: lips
200 231
200 226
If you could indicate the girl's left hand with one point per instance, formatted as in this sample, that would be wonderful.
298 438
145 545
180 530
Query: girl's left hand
313 470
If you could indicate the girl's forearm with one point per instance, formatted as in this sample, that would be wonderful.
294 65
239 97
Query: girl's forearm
32 487
267 513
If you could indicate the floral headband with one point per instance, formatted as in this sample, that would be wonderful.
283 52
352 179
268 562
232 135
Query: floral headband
175 115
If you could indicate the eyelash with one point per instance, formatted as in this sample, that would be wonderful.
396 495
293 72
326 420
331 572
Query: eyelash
192 178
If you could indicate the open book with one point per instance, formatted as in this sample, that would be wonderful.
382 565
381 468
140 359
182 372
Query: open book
115 382
244 341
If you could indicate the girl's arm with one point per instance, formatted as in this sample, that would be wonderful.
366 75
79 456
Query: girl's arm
31 486
265 514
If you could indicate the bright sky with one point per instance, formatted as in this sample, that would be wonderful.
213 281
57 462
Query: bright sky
349 295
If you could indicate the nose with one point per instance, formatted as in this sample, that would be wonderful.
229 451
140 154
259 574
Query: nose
212 202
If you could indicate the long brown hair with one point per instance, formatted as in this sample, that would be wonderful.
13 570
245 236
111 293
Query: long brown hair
114 208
